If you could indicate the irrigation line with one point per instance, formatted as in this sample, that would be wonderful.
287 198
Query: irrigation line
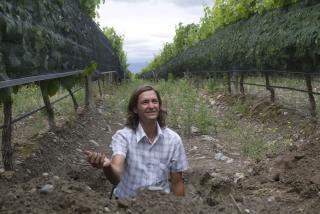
253 70
38 109
279 87
25 80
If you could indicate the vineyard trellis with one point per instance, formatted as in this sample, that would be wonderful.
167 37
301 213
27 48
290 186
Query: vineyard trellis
6 86
230 76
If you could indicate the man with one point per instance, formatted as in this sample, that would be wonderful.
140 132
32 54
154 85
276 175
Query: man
145 153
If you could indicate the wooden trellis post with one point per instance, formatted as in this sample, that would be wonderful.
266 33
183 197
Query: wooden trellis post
241 84
47 103
75 103
311 97
88 95
99 85
7 130
269 88
229 82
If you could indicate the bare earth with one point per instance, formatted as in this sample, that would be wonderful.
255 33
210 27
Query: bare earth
52 176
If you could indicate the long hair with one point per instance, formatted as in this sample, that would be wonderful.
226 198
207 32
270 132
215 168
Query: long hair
133 118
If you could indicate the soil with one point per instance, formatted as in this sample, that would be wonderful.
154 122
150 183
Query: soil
52 176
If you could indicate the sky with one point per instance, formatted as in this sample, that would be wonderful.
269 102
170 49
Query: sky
148 24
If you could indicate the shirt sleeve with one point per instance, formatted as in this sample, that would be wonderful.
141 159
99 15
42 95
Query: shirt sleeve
119 144
179 161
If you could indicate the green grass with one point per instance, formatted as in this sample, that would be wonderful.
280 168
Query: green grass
29 98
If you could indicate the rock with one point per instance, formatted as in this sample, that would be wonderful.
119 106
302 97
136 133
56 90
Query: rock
46 189
208 138
108 129
239 116
155 188
193 148
219 96
2 170
45 174
285 113
56 177
194 130
229 160
7 174
212 102
200 158
238 176
316 179
106 209
271 198
33 190
123 203
219 156
94 142
215 175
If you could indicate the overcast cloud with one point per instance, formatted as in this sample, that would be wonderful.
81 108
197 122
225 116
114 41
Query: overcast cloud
148 24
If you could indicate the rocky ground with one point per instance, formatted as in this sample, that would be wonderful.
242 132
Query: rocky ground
52 176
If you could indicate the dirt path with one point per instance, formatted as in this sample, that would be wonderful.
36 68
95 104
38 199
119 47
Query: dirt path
52 176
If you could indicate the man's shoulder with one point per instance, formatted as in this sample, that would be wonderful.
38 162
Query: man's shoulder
124 131
167 132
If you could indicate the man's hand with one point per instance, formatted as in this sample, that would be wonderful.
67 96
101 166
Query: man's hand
97 159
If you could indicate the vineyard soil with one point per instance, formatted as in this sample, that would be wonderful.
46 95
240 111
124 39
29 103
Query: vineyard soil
52 176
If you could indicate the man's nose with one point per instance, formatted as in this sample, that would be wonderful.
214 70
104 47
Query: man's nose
150 105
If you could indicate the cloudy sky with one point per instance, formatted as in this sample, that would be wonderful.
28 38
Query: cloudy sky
148 24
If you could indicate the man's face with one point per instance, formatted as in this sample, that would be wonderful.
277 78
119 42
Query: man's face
147 106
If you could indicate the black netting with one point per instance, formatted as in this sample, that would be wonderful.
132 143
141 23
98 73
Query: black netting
44 37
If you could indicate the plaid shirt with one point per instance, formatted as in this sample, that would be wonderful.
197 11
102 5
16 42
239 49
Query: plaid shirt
147 164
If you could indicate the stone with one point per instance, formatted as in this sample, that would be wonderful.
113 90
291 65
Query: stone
56 177
238 176
194 130
7 174
46 189
315 179
123 203
155 188
208 138
94 142
229 160
219 156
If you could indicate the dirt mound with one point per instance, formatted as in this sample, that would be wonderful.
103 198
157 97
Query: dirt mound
54 177
288 183
51 194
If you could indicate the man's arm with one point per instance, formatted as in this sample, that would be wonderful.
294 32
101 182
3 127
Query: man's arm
112 169
177 184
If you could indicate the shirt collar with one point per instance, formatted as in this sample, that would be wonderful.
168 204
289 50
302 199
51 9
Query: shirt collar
140 134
